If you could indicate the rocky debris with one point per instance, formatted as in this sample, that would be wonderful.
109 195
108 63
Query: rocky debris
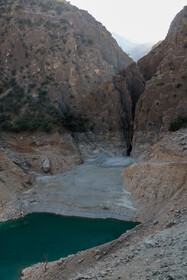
171 146
159 181
155 222
164 99
46 165
22 164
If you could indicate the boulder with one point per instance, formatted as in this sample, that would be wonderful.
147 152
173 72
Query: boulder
46 165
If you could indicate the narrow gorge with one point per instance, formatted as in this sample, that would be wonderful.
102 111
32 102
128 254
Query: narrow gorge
86 133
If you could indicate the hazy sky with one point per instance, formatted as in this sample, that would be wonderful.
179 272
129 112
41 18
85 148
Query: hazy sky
137 20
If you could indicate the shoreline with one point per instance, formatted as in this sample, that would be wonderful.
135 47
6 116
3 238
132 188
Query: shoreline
93 189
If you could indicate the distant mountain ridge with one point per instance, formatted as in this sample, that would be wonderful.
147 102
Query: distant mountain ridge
135 50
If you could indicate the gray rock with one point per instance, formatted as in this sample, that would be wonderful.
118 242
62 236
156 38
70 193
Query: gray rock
170 224
155 222
22 164
46 165
149 243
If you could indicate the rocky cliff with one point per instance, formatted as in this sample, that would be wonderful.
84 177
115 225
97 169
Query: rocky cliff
43 78
62 68
13 181
163 105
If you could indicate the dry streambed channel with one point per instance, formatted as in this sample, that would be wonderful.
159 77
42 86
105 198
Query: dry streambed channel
92 207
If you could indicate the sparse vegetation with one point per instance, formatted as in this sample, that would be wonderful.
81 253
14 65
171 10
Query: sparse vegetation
179 122
160 84
59 9
13 72
63 21
171 67
45 6
30 113
74 123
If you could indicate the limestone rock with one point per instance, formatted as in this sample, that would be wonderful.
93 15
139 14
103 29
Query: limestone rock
12 180
165 96
46 165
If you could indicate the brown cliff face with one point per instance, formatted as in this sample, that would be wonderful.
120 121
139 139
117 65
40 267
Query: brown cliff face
56 56
165 96
13 179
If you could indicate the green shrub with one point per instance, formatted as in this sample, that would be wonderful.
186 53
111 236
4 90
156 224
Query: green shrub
63 21
160 84
33 85
178 85
13 72
179 122
80 52
59 10
74 123
27 113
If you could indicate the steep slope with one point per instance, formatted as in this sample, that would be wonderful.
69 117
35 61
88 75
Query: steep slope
60 67
163 105
13 180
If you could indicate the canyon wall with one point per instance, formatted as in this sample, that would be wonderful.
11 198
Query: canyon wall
165 98
57 57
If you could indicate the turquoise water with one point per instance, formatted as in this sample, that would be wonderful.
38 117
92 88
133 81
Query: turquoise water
37 236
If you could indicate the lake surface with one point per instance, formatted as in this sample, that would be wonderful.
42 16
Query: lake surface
37 236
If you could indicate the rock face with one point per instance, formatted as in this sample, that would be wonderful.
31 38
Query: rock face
165 96
13 180
60 67
159 182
